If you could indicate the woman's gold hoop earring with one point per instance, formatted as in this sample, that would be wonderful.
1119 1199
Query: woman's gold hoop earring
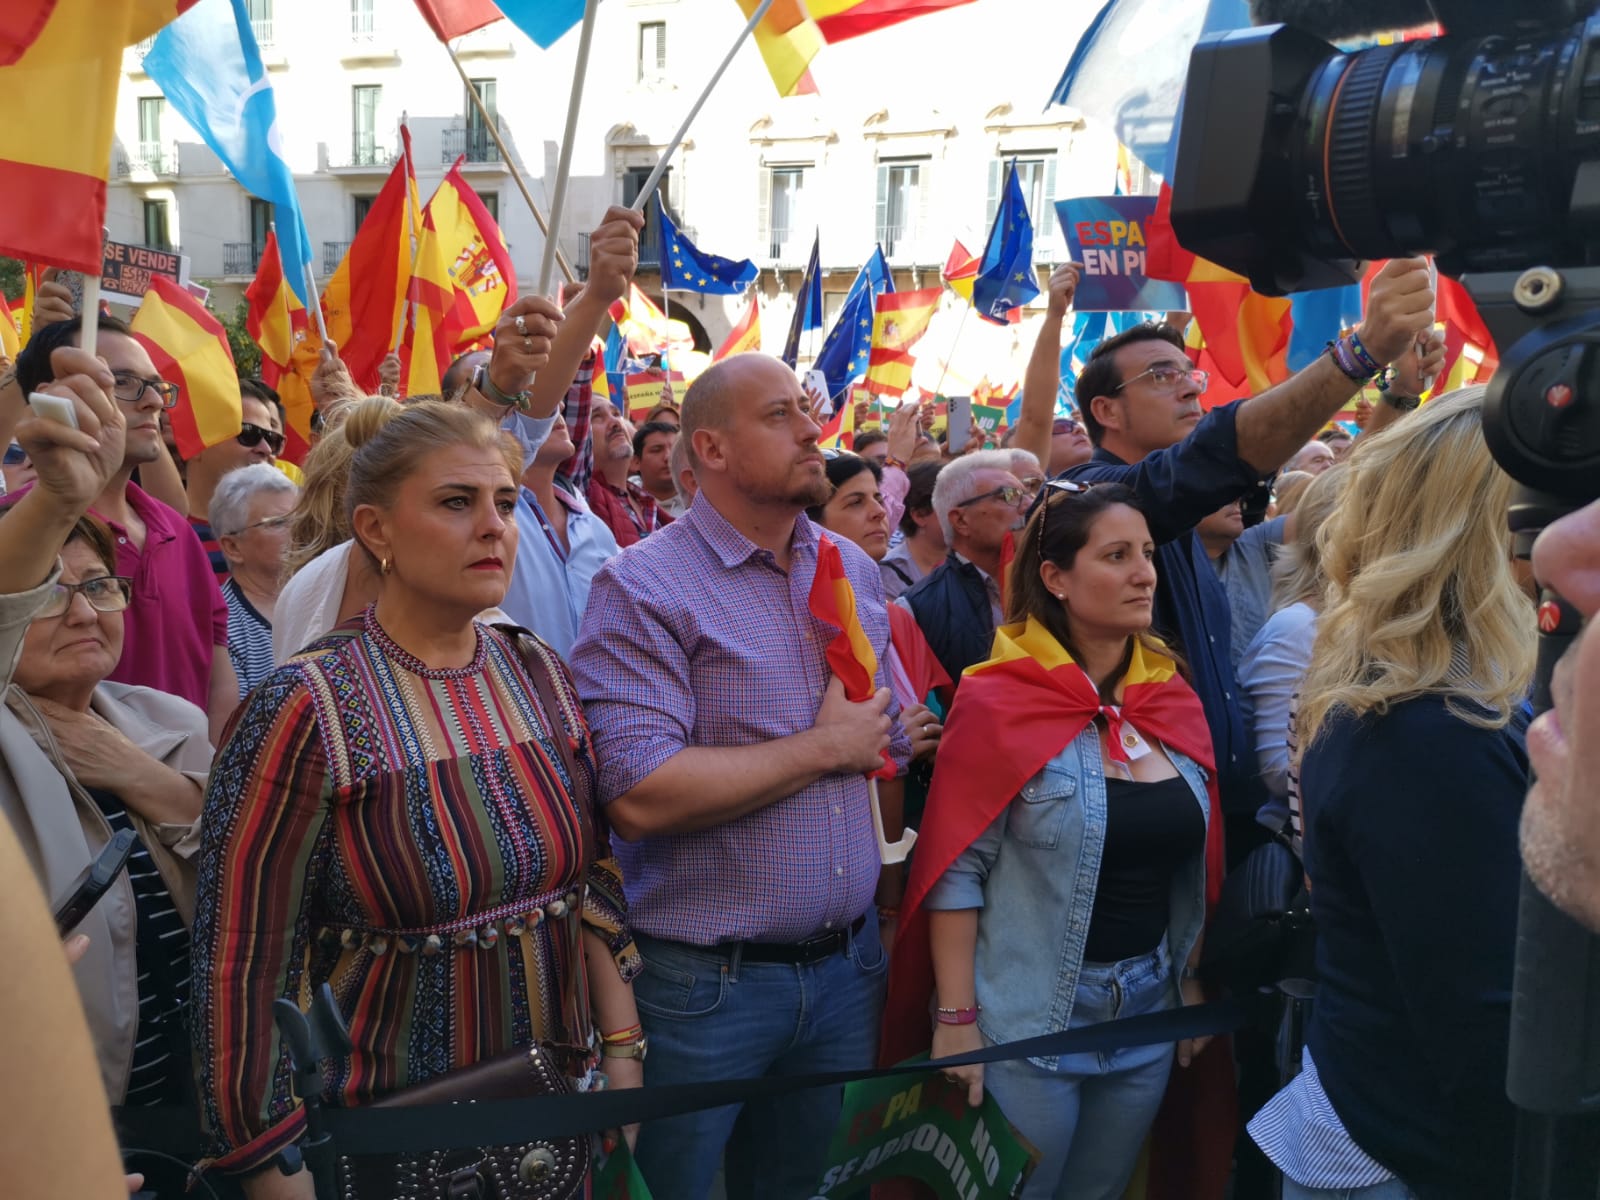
384 565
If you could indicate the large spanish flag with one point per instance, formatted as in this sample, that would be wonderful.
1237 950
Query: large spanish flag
364 303
481 280
744 336
278 323
898 321
1011 716
60 64
850 654
190 348
426 349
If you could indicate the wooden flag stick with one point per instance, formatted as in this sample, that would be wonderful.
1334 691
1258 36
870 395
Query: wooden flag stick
558 198
505 157
89 326
888 852
951 353
654 181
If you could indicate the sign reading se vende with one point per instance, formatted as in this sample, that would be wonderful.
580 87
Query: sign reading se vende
126 270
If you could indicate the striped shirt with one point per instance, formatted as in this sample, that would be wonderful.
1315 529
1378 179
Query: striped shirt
162 961
249 638
1301 1133
697 637
208 539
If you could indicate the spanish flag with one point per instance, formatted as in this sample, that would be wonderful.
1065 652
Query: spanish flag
1011 716
960 269
60 64
840 19
788 40
277 322
190 348
744 336
840 432
10 334
899 320
364 303
33 276
850 654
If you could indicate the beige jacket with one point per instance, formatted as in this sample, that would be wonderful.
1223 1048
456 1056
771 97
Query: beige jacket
61 829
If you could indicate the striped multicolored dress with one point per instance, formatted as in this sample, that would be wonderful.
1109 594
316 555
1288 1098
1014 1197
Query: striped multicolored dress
410 835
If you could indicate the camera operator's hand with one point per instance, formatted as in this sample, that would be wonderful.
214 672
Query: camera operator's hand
1399 309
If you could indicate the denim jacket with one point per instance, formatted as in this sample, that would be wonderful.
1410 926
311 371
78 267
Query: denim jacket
1033 875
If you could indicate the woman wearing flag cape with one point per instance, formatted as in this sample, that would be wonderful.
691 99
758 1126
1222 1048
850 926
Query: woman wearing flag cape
1071 844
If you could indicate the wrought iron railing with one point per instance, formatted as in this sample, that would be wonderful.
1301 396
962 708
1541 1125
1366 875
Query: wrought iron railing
241 258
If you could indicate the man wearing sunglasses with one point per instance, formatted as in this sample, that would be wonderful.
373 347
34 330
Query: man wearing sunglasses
257 441
176 627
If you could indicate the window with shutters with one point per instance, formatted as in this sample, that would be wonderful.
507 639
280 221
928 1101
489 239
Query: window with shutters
151 111
364 100
1036 173
260 224
363 205
901 200
363 21
787 228
260 12
652 51
156 230
480 145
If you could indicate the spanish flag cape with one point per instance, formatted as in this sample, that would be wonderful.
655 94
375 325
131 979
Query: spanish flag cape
1012 715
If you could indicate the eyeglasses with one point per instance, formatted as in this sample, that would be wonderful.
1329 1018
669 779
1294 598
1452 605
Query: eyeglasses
254 435
1032 483
1066 425
107 594
267 523
15 455
130 388
1165 377
1007 495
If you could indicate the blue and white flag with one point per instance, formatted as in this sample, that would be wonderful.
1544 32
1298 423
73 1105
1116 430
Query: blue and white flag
846 350
687 268
209 66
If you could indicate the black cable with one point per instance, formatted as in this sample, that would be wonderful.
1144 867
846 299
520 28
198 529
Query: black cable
188 1168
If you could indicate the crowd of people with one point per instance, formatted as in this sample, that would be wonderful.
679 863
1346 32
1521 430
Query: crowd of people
514 723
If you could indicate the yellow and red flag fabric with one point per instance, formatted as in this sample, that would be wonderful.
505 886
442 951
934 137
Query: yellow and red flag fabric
746 335
60 64
1013 714
190 348
841 19
477 261
450 19
840 432
10 331
425 352
788 40
899 319
280 325
960 269
33 276
850 654
365 300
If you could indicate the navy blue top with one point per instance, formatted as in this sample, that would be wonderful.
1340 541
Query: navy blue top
1411 846
1180 487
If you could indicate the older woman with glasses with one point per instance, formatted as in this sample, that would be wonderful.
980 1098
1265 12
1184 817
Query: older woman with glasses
250 512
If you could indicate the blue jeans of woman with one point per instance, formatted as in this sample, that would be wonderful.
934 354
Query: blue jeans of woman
1088 1117
710 1015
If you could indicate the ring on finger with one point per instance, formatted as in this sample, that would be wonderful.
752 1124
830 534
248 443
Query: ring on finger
527 344
522 325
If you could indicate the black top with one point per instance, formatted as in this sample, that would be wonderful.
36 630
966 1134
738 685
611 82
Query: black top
1411 845
160 1051
1151 830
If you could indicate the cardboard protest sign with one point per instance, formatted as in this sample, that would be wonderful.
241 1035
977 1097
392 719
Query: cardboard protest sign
988 418
1106 234
127 271
921 1127
646 389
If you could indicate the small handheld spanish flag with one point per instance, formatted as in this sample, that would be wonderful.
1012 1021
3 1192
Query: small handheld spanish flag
850 654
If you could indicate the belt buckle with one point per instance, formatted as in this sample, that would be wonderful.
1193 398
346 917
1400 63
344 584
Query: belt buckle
813 947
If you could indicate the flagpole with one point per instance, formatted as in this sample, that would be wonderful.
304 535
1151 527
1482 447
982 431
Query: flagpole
651 183
558 198
505 157
316 303
409 314
89 326
951 353
888 852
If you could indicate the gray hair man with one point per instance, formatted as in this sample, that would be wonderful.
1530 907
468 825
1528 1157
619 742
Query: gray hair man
249 513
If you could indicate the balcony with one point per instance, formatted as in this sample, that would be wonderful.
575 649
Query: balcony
241 258
472 140
902 243
787 248
363 153
262 28
332 255
370 44
149 159
649 248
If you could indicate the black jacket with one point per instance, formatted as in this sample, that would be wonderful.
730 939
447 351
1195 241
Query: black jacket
951 605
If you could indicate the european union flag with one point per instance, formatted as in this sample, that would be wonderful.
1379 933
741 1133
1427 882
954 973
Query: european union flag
846 349
1006 278
807 306
687 269
208 64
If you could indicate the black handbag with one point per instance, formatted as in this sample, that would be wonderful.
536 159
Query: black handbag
1261 932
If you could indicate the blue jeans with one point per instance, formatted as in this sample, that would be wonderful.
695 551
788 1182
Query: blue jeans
1088 1117
1390 1189
712 1016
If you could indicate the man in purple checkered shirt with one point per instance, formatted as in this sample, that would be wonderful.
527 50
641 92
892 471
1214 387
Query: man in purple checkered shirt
731 767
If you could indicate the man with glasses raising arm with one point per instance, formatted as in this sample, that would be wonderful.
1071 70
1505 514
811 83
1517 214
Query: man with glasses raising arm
177 624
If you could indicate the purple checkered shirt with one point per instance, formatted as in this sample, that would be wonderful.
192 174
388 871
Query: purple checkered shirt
696 637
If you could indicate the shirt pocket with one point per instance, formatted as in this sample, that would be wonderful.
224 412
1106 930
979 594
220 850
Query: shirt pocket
1039 813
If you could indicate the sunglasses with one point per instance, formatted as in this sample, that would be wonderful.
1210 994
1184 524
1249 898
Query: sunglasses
253 435
1007 495
107 594
1066 425
130 388
16 456
1052 489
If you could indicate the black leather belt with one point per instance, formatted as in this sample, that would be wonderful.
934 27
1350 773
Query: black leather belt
824 945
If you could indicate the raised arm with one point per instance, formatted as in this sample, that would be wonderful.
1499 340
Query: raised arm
1042 381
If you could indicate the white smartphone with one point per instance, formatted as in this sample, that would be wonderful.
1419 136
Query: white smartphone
53 408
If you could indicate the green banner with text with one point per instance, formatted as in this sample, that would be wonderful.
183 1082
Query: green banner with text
921 1127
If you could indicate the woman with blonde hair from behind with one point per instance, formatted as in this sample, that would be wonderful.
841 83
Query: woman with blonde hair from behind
1413 771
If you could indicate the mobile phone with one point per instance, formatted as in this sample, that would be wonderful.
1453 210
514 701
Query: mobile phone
73 282
97 877
53 408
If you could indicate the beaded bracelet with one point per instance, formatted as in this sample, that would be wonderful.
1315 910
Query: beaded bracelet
1372 365
1342 357
957 1016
